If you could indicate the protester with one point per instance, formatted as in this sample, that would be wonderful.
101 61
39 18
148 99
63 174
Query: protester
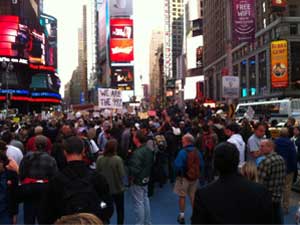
232 131
111 167
104 135
140 166
8 190
35 170
254 142
249 170
75 189
286 149
188 165
79 219
232 199
12 151
30 146
271 173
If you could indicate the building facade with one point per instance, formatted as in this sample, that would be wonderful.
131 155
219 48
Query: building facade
28 57
156 53
173 36
252 62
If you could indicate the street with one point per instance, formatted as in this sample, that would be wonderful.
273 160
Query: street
164 208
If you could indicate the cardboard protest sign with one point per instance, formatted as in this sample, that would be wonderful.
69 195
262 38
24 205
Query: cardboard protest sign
109 98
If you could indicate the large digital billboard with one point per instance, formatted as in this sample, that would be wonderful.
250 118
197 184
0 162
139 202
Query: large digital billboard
279 64
122 78
49 25
14 37
121 40
121 28
244 20
120 8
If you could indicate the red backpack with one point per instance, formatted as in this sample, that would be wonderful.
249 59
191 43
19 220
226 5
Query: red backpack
193 165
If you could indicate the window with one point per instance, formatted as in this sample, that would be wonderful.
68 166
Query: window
293 29
264 6
265 23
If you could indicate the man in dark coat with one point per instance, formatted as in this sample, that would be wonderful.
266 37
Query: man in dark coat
232 199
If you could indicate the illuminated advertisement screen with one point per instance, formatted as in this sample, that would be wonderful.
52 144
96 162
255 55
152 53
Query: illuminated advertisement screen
279 64
49 25
37 49
121 50
123 78
14 37
121 28
39 81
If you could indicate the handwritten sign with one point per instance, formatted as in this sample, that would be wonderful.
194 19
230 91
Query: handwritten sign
109 98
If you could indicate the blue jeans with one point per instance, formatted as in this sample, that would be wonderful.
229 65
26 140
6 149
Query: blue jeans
141 204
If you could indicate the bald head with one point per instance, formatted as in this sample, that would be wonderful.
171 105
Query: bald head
266 147
284 132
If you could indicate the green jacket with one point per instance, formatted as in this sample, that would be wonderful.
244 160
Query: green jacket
140 165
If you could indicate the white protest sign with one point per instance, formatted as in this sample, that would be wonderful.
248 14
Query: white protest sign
109 98
250 113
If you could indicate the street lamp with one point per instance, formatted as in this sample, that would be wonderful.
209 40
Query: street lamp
7 67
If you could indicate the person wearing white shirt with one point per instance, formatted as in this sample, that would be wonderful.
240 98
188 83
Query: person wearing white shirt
232 131
12 151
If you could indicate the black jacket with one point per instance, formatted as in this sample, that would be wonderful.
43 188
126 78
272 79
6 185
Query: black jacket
51 205
232 200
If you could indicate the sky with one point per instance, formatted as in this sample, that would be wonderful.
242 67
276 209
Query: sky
148 15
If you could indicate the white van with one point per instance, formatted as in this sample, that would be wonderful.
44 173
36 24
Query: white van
278 110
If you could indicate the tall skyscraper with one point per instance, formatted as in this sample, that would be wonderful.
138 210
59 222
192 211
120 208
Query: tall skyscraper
156 53
173 35
83 60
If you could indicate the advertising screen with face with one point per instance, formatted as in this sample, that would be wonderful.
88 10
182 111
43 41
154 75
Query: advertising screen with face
123 78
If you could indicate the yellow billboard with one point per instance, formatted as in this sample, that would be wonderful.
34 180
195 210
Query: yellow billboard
279 64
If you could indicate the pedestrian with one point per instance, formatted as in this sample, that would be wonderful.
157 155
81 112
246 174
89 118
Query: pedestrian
8 190
232 199
249 170
232 131
35 171
286 149
31 147
140 166
271 173
112 168
79 219
12 151
76 189
188 166
296 140
104 135
254 141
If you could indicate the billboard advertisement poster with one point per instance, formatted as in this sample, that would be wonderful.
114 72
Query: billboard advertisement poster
109 98
194 52
231 87
122 78
279 64
243 20
121 50
120 8
121 28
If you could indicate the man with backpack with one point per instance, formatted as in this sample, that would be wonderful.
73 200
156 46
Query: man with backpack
188 165
76 189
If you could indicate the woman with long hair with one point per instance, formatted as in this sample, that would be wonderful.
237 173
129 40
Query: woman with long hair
111 166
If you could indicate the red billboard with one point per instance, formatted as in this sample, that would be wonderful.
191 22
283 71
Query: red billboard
121 40
121 50
121 28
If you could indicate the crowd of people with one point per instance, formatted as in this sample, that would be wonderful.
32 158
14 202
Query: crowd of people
231 172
